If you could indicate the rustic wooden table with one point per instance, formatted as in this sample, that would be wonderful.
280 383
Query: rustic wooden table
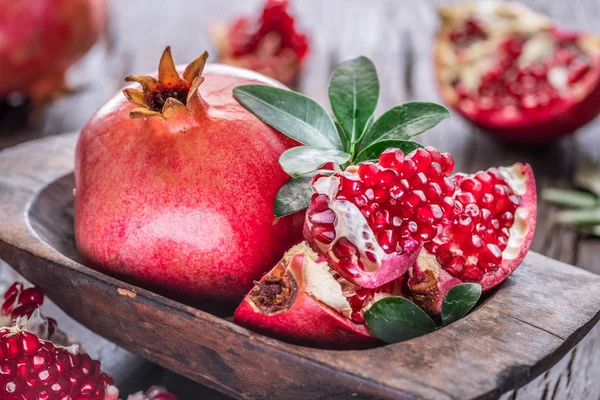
397 35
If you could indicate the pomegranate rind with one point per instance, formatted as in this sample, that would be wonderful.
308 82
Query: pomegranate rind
542 124
306 321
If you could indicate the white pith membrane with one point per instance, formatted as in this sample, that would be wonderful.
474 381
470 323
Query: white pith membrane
323 284
349 223
499 21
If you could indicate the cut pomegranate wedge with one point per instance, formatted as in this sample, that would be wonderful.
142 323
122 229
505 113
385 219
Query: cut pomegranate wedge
272 44
486 239
370 220
509 70
304 301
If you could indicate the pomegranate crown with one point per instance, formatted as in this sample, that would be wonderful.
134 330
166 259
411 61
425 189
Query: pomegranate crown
170 93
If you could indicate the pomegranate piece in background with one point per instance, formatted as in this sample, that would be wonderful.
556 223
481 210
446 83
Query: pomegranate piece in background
512 72
41 39
271 44
370 220
486 240
304 301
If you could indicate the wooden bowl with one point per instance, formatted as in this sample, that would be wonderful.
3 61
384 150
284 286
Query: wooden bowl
530 323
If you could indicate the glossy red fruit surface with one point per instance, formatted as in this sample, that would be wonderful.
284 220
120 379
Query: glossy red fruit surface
486 239
514 73
371 220
41 39
179 195
271 44
304 301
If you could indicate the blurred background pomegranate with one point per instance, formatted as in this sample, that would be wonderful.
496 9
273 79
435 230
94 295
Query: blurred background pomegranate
40 39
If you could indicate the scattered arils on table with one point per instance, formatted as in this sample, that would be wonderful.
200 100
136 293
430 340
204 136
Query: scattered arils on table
271 44
392 239
514 73
37 361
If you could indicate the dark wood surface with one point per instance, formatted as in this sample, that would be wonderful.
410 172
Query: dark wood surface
397 35
510 339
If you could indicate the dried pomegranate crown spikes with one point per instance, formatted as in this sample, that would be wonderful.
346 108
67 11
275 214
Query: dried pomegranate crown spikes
163 97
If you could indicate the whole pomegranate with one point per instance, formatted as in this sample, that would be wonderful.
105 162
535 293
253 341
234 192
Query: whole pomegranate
40 39
486 239
271 44
304 300
175 184
371 220
512 72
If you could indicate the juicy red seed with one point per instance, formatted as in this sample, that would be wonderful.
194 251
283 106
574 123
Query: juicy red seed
419 179
387 178
471 273
430 213
466 198
472 210
350 186
357 317
387 240
421 158
433 191
455 266
367 172
471 185
324 233
492 253
410 168
392 158
344 249
324 217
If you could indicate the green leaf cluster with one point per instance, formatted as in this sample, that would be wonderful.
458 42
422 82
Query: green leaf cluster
583 212
352 136
396 319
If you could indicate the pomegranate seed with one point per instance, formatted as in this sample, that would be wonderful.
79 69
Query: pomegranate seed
357 317
466 198
392 158
447 163
455 266
471 273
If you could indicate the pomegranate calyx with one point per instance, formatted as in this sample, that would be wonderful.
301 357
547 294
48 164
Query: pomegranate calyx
169 94
276 291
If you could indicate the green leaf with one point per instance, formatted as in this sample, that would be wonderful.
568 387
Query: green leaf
291 113
395 319
586 216
405 121
374 150
353 94
570 198
304 159
587 176
459 301
343 138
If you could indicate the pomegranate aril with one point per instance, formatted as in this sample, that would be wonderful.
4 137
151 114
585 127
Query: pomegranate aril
381 219
430 213
466 198
471 273
491 253
577 71
344 249
387 178
427 232
367 172
447 163
357 317
350 186
386 240
324 233
392 158
471 185
421 158
324 217
455 266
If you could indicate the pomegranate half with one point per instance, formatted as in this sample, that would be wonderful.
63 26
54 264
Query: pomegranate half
485 241
175 184
371 220
41 39
304 301
514 73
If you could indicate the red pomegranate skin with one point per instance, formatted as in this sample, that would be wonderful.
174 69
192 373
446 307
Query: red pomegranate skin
184 205
40 39
307 320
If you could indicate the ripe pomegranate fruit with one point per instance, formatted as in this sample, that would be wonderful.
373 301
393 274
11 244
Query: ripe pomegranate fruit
175 185
271 45
371 220
41 39
512 72
486 239
303 300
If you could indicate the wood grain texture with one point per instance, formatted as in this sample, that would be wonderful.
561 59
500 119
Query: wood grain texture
397 35
512 338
